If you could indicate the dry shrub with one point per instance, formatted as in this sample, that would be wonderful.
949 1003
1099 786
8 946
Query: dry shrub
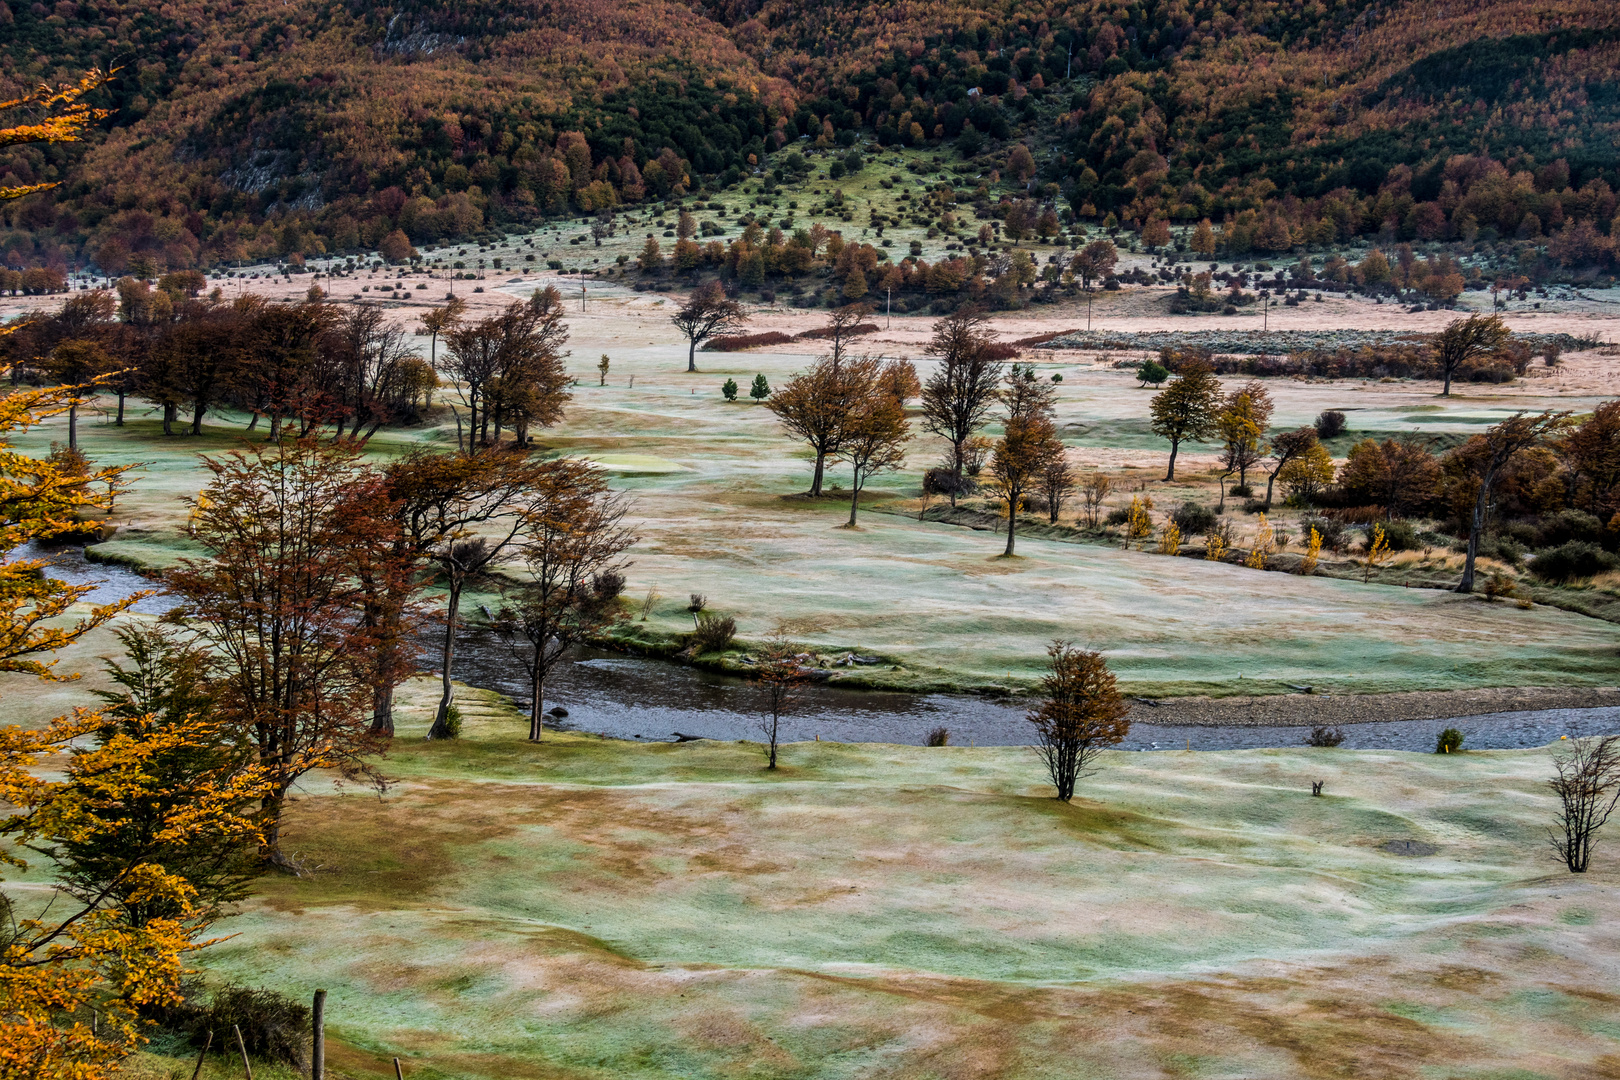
738 342
714 632
828 331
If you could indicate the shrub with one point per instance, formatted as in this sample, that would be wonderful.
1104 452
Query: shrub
1330 530
1576 559
1193 519
1449 742
943 481
1505 548
1329 423
1323 735
1152 372
737 342
820 332
452 722
1500 585
1119 515
1399 535
714 632
728 389
274 1027
939 737
1242 491
1567 525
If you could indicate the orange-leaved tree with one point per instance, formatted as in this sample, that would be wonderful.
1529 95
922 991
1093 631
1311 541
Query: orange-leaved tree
75 949
284 604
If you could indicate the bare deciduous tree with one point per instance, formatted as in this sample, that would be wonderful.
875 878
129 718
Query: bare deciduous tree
1588 787
1056 484
1092 493
1081 717
779 676
958 395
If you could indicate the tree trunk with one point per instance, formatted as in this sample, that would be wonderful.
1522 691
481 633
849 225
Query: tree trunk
1175 445
169 415
447 655
382 711
1012 521
1445 391
275 427
254 423
197 418
956 470
120 421
815 481
1270 479
537 717
73 426
854 497
1477 526
691 354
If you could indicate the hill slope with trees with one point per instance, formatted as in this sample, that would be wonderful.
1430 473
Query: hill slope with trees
251 130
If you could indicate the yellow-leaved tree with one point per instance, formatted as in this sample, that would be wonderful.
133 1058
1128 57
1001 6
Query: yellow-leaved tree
76 952
60 115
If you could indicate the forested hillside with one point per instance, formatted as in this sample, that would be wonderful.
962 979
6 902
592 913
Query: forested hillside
255 128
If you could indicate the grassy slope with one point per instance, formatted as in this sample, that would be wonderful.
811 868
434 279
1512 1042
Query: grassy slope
593 909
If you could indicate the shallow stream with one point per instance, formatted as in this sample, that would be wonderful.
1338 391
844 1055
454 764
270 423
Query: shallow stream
636 698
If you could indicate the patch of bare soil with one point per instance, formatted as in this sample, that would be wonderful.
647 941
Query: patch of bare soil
1311 708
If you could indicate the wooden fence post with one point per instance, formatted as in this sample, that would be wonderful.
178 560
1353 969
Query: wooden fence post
195 1073
242 1046
317 1050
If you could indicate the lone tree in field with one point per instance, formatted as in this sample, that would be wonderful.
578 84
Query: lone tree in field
1081 717
779 676
572 538
706 313
1588 787
1186 409
960 392
1029 442
1466 340
1488 453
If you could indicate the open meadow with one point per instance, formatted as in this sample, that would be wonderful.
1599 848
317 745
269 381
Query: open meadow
587 908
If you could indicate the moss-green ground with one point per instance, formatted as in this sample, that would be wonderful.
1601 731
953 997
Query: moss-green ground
587 908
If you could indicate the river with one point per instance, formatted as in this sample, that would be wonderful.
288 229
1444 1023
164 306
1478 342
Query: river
648 699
